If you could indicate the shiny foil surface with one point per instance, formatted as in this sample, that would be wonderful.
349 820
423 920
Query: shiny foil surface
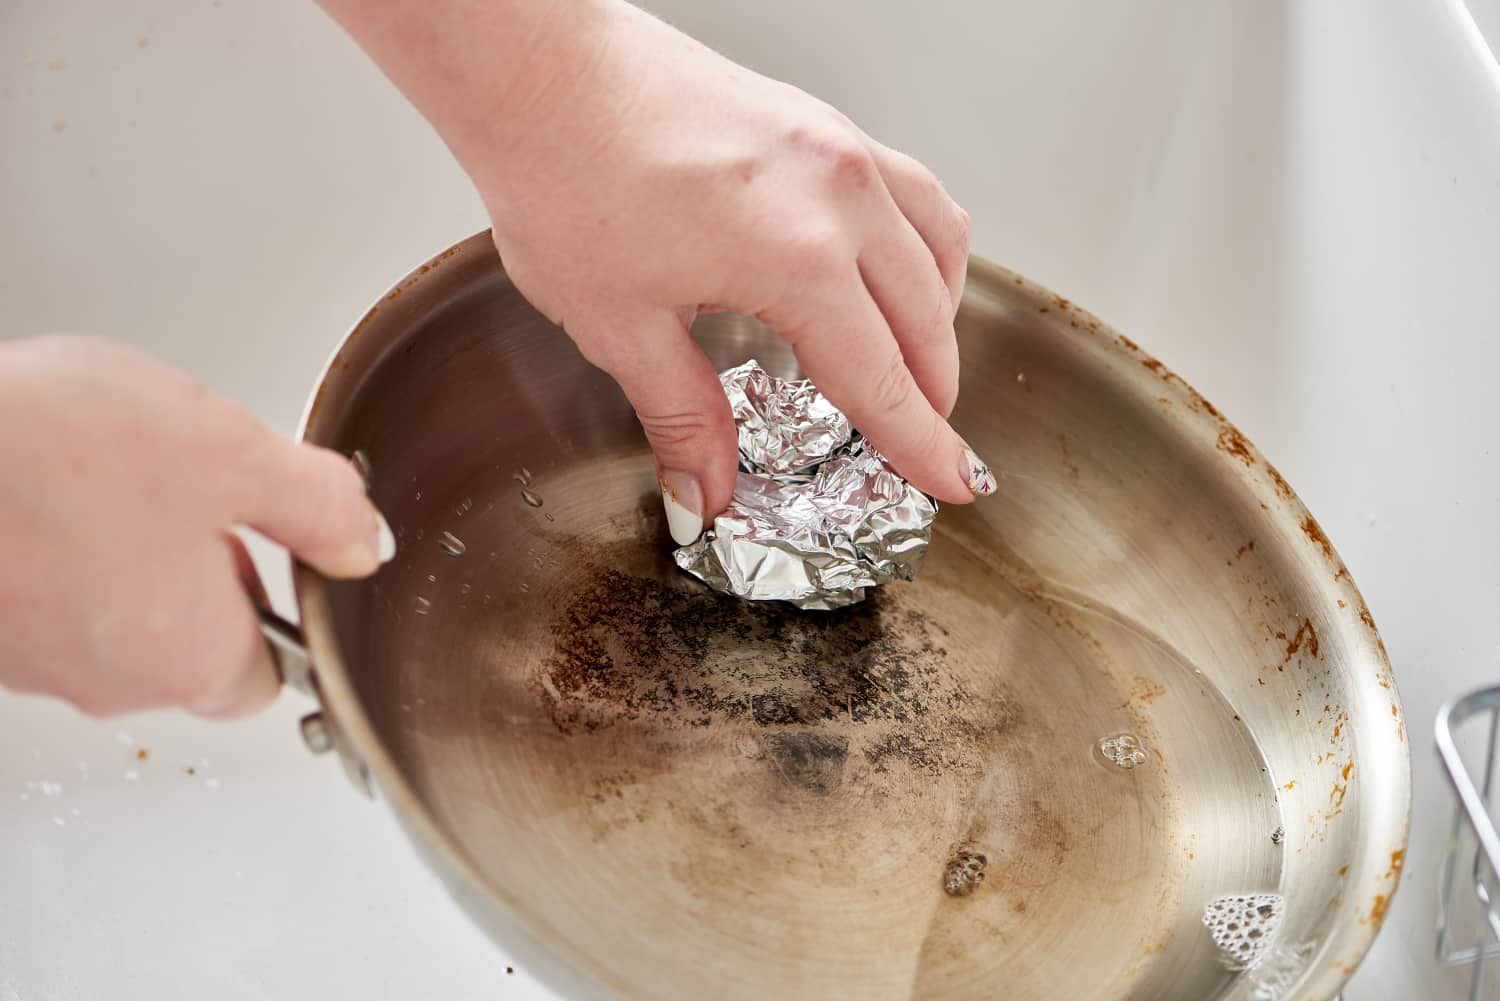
817 517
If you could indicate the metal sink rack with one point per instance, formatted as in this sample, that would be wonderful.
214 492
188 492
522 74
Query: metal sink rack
1469 922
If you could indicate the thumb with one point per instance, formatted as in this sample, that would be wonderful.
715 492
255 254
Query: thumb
312 501
681 406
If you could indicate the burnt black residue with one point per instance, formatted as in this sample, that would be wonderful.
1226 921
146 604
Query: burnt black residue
811 761
630 648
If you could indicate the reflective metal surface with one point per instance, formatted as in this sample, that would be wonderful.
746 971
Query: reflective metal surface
817 517
652 791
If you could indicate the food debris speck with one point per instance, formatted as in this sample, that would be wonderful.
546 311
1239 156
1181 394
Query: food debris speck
142 754
1278 835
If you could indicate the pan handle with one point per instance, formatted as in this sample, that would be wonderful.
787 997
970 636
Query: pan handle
288 651
294 664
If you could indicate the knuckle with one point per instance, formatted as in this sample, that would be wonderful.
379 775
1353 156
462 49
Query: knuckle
839 151
963 231
850 164
679 429
893 385
927 184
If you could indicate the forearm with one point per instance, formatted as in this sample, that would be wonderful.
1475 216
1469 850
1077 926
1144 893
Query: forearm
483 72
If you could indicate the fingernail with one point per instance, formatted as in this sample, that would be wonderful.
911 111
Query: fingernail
385 540
977 474
683 498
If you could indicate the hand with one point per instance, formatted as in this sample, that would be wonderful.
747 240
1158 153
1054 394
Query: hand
123 588
633 175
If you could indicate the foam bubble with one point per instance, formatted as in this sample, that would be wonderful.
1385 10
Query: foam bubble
964 873
1123 750
1243 926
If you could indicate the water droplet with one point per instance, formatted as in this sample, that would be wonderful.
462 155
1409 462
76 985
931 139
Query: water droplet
211 783
530 498
525 588
423 606
452 544
1123 750
132 775
465 589
964 873
548 516
1278 835
420 533
419 495
464 506
523 476
59 821
432 578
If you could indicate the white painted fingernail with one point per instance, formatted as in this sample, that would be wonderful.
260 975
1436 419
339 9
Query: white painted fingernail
977 474
385 540
683 498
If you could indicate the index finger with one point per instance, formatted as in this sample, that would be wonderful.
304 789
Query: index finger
851 355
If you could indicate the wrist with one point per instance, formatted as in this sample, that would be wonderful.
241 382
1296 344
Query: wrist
559 102
491 76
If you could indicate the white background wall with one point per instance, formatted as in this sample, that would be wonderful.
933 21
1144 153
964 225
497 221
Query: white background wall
1296 205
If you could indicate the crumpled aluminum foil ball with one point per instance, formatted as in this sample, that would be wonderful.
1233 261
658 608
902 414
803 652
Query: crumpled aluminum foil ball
817 517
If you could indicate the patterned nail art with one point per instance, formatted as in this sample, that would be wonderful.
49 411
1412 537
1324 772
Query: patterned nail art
977 475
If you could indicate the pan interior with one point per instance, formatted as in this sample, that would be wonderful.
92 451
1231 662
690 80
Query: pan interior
711 798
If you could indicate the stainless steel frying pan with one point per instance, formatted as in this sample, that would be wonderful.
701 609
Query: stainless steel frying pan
646 790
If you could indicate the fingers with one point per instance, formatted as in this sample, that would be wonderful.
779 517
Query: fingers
312 501
682 407
248 680
849 352
899 271
942 225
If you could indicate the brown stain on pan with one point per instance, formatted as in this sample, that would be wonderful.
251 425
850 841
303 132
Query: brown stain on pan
1314 531
1231 442
1306 637
1339 792
1282 486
